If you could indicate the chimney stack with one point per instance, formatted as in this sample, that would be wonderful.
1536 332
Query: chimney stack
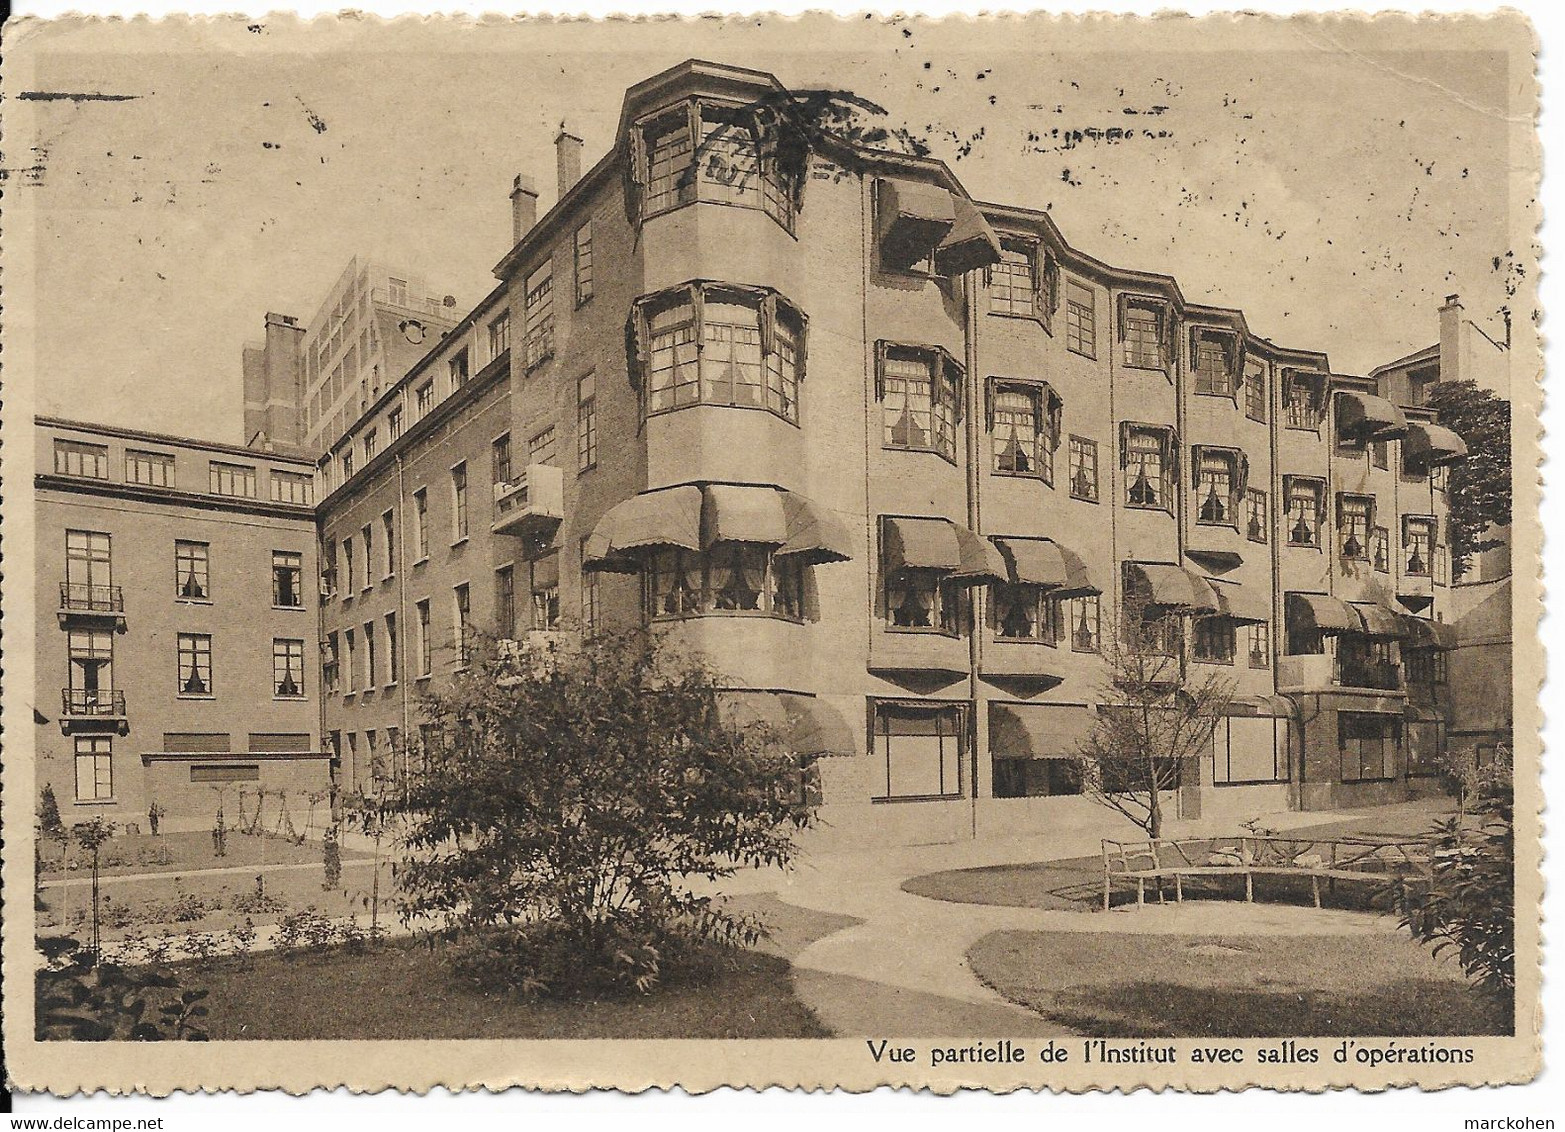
567 148
524 207
1453 340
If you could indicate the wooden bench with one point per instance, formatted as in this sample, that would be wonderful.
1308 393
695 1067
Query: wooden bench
1331 859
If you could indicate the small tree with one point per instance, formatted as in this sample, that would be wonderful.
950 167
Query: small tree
1481 484
1154 715
49 823
92 836
570 804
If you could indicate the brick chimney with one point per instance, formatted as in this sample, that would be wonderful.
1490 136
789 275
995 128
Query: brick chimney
1454 333
567 149
524 207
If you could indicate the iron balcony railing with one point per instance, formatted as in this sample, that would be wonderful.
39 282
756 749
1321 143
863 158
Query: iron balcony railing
103 702
84 597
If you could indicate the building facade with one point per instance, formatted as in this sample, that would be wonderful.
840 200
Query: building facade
891 459
176 625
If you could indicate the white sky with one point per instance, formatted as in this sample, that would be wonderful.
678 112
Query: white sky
1329 181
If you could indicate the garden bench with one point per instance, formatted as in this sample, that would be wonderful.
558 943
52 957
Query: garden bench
1331 859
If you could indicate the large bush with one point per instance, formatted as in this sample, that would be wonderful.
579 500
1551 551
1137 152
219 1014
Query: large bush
573 803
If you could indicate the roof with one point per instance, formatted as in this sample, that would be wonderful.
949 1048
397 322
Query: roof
170 439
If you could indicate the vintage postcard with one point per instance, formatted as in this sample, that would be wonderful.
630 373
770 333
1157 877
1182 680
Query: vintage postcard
828 552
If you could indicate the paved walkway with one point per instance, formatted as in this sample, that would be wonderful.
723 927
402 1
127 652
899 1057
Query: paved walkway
181 874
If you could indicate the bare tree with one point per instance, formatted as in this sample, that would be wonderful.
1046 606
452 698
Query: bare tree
1154 715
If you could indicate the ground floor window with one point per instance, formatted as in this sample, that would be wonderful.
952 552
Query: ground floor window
1035 778
94 768
919 749
1248 751
1214 640
1426 743
1367 744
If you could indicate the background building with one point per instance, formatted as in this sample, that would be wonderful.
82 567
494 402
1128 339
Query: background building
177 644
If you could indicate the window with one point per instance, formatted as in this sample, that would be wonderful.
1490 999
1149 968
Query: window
1215 489
1081 332
731 577
538 319
371 445
1255 395
1084 624
156 469
750 355
1248 751
287 579
1143 329
459 502
398 292
421 637
500 459
287 669
1303 400
347 466
591 602
424 396
919 750
1034 778
94 768
421 523
91 671
367 532
1213 640
546 592
393 672
1084 469
191 566
76 458
920 393
1380 549
670 182
328 568
194 675
1025 613
1380 455
464 625
394 423
348 565
584 263
1214 355
88 570
1022 429
1260 649
541 448
370 657
1305 498
1439 478
1256 523
586 423
1420 665
727 166
1355 516
1148 467
1157 634
1418 538
499 343
925 601
505 601
292 487
233 479
1442 566
388 528
1367 744
1011 287
351 661
329 669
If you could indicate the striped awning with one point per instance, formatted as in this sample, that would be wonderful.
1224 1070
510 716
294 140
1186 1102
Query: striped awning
1378 620
806 725
1038 731
1044 562
1369 417
971 243
1321 612
742 513
1245 606
815 535
668 517
1166 586
1432 445
1421 633
938 544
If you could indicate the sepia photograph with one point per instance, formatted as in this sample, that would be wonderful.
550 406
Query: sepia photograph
821 551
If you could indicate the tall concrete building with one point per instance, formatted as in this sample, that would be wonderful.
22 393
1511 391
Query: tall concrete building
177 654
891 459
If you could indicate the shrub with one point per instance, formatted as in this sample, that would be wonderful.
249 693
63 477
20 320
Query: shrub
187 908
154 855
305 930
80 1001
49 815
331 860
257 902
115 857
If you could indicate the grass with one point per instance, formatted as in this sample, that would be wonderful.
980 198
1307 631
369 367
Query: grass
1115 984
185 852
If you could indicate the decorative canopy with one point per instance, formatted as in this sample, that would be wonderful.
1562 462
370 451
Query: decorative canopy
1044 562
1432 445
971 243
939 544
1038 731
668 517
1235 602
1368 417
1171 587
1322 612
807 725
1378 620
1420 633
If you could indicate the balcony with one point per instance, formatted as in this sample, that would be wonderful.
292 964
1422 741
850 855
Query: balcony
1321 672
81 601
88 709
531 505
1357 672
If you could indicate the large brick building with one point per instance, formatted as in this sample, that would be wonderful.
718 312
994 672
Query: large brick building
889 458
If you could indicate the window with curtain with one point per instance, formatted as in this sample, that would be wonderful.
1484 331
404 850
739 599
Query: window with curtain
1084 469
1019 438
919 402
1085 624
1011 280
1418 538
1213 640
1355 515
923 600
728 578
194 658
1255 519
192 578
1305 499
287 669
1025 613
1260 645
1215 488
1146 470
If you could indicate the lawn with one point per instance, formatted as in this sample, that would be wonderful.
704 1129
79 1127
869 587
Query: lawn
137 853
1123 985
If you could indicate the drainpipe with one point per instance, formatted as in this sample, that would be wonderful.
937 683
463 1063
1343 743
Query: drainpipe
402 612
974 408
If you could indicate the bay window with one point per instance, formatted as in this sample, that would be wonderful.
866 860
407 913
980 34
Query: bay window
1418 539
920 600
1304 497
1217 358
1024 428
719 153
1025 613
727 578
1355 517
1218 472
919 388
1145 331
1304 400
1146 454
1213 640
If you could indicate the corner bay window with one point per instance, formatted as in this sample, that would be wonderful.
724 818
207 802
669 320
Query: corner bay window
739 160
1147 457
1025 613
1304 498
717 344
919 388
729 577
919 750
1024 427
1213 640
1304 400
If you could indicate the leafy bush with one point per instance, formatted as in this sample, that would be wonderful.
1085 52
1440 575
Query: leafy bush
154 855
49 822
331 859
305 930
115 857
187 908
83 1002
257 902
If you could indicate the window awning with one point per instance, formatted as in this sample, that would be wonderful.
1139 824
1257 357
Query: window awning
815 535
1038 731
1044 562
1421 633
668 517
1235 602
742 513
939 544
1171 587
971 243
1369 417
1269 706
912 217
1432 445
1378 620
1322 613
808 726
